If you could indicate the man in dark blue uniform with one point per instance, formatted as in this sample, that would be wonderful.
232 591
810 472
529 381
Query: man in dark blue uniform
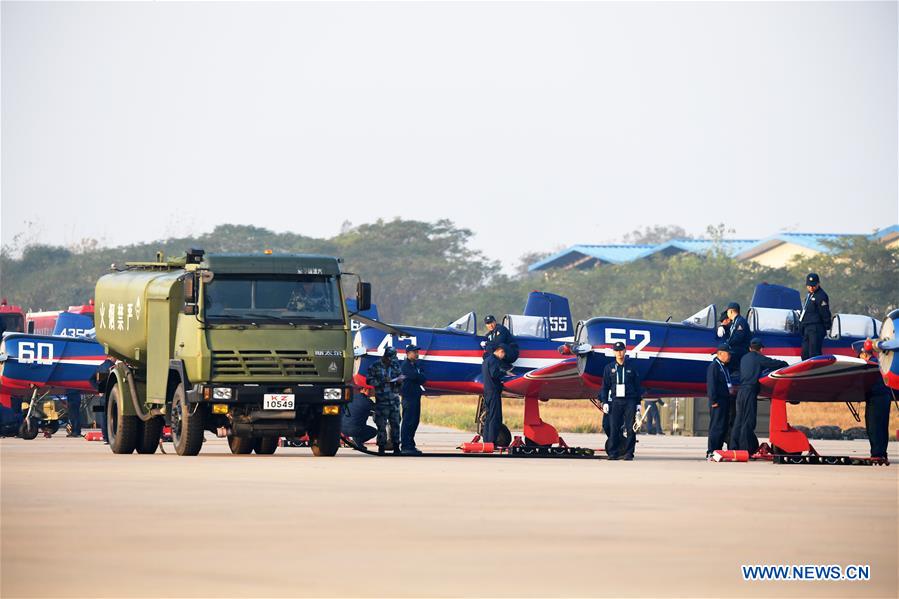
752 367
738 335
497 335
492 371
621 394
877 413
411 392
355 420
718 387
815 318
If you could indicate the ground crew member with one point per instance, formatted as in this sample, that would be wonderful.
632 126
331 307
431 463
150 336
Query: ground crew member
355 420
752 366
492 371
385 377
877 413
815 318
413 380
724 326
498 334
73 406
738 335
621 394
718 388
653 418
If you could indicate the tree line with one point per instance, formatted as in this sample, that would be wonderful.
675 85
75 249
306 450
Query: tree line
426 273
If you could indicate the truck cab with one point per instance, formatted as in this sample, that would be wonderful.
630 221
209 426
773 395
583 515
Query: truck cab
251 347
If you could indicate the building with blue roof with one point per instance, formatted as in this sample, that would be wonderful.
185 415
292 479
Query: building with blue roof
776 251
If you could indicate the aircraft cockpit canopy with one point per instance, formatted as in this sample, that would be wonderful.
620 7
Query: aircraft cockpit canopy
465 324
526 326
854 325
772 320
705 318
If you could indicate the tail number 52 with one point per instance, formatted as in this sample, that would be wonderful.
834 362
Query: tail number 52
615 335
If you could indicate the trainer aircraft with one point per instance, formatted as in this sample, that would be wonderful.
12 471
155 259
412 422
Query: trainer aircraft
672 357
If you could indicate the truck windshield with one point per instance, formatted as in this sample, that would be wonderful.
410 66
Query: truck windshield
292 298
12 323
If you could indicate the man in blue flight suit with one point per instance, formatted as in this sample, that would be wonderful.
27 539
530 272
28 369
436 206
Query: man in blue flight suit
492 371
877 412
73 407
738 335
621 393
497 335
815 318
385 377
752 367
355 420
653 417
718 387
413 379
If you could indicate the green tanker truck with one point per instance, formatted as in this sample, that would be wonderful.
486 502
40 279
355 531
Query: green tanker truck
251 347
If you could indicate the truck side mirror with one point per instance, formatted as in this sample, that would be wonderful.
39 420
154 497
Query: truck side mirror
190 295
363 296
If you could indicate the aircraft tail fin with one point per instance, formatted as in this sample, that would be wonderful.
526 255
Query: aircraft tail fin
555 309
776 296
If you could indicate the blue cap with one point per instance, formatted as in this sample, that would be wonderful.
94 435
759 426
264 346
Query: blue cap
412 347
619 346
756 342
812 280
489 318
733 306
723 347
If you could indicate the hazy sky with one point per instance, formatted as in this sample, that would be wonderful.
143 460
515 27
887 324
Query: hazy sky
534 124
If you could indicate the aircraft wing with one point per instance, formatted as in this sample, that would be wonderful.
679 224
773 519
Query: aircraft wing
557 381
821 379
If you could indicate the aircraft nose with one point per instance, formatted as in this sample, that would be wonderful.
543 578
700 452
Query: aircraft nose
582 349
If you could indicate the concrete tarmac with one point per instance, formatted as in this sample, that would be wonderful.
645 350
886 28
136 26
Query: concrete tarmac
78 521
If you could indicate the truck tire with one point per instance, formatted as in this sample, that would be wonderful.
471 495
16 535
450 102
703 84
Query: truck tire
240 445
326 440
149 434
266 445
187 424
122 429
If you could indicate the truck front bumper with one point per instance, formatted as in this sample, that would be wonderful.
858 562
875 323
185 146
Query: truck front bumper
304 394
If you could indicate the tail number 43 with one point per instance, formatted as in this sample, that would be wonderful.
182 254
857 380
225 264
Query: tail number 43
615 335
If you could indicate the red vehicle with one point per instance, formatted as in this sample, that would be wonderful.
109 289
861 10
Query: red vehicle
44 323
12 318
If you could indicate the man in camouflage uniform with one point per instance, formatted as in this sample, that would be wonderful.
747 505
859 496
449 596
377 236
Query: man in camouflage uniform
385 377
307 297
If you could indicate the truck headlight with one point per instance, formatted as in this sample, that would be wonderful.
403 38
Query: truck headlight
334 393
221 393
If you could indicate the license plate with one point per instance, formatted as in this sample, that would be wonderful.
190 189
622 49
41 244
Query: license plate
273 401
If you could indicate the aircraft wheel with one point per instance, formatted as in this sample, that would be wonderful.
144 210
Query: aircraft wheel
149 434
29 429
266 445
122 429
240 445
187 424
831 461
53 427
503 436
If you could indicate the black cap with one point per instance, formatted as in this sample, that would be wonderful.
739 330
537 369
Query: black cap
723 317
412 347
723 347
619 345
489 318
756 343
812 280
503 347
733 306
389 352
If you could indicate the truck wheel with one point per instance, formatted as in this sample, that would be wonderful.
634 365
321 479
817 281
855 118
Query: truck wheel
326 440
240 445
187 424
29 429
122 429
266 445
149 434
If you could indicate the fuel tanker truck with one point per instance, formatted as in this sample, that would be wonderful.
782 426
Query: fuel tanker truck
251 347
